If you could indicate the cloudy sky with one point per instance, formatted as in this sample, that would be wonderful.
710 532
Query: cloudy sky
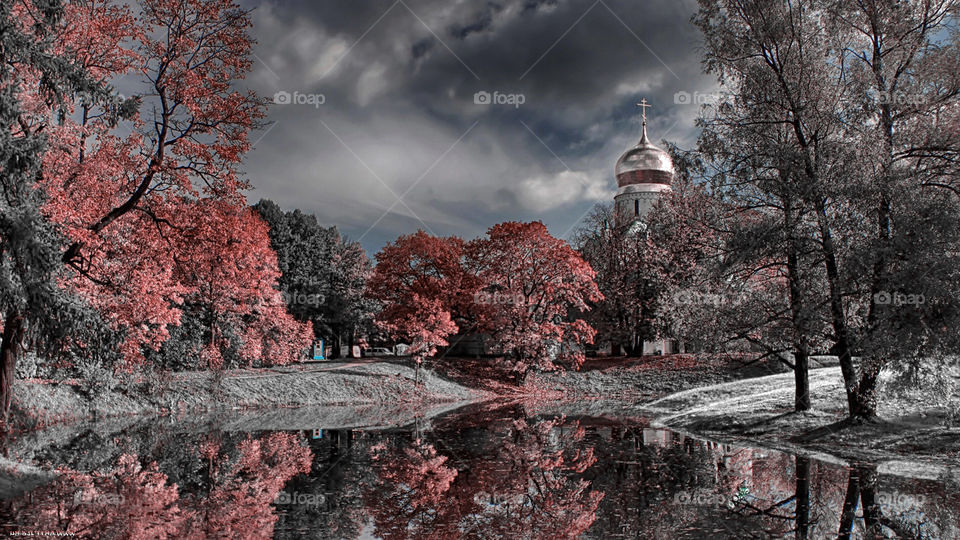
377 126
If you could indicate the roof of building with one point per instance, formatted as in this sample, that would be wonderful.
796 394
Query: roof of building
645 163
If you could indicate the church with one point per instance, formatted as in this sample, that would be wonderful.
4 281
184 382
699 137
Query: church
644 173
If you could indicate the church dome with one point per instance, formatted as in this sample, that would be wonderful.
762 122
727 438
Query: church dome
644 164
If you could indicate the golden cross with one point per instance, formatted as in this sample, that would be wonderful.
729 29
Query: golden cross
643 104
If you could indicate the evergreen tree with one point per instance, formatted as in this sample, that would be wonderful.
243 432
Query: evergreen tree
35 310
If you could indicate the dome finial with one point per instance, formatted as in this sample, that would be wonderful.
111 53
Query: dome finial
643 116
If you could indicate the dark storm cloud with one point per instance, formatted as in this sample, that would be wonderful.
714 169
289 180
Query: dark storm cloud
398 142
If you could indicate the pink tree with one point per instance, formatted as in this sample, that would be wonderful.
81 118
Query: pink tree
228 265
534 288
424 290
147 189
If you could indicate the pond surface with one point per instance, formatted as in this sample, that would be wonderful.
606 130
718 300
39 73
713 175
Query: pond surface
482 472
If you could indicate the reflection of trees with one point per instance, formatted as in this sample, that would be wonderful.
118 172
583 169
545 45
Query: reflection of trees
523 486
907 510
413 482
132 501
662 485
243 488
803 497
127 502
751 492
479 476
341 468
531 484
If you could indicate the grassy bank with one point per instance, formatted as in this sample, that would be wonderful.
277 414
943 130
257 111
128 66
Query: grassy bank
760 411
363 382
371 381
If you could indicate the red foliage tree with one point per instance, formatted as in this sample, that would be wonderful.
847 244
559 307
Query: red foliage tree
534 287
424 290
229 266
147 189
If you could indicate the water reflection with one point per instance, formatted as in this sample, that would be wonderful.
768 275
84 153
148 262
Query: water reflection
521 480
480 474
212 490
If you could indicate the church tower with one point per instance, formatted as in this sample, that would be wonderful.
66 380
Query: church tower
643 172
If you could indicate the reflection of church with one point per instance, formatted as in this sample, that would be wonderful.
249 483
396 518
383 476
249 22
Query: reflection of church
644 173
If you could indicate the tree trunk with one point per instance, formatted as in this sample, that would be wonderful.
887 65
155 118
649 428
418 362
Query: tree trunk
9 349
866 406
337 343
801 353
841 334
801 376
829 250
870 366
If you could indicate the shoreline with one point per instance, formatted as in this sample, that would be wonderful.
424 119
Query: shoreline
708 400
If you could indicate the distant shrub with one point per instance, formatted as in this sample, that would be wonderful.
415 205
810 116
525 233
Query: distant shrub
27 366
187 349
929 383
96 377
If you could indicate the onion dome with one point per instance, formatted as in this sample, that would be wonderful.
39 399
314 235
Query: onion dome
644 164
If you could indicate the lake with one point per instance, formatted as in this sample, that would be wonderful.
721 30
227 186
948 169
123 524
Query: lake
484 471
